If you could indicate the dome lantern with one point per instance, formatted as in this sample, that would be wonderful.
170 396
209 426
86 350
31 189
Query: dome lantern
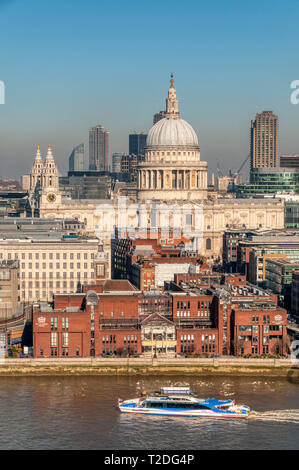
172 131
172 103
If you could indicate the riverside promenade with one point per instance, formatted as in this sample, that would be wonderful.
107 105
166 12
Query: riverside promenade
147 366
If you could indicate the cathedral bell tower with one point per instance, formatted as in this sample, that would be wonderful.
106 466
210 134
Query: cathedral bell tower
36 171
36 175
50 193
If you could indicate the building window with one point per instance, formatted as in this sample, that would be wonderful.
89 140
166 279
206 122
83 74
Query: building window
208 244
53 339
65 339
53 323
189 219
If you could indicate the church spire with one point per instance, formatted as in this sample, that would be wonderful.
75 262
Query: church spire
49 154
172 103
38 155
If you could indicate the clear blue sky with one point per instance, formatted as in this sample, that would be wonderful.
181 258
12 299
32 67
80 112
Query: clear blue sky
70 64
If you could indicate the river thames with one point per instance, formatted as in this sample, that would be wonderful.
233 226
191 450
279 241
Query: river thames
80 413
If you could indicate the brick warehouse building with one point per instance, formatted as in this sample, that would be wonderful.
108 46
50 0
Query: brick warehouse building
114 318
78 325
62 329
259 331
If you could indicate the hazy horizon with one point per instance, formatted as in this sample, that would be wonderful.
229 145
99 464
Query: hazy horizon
71 65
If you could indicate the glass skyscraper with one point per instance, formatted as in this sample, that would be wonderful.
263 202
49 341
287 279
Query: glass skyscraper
76 159
137 143
98 148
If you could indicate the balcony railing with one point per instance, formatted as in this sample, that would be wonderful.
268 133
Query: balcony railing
119 324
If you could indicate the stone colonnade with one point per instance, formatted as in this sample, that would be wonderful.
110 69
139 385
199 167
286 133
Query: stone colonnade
172 179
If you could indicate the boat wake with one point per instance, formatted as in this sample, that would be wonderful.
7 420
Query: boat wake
279 416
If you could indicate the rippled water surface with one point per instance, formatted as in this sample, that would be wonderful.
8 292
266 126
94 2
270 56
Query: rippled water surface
80 413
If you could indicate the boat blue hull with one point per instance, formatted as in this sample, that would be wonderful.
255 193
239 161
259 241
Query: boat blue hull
186 414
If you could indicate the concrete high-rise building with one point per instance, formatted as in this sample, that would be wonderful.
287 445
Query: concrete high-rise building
289 161
98 148
263 141
76 159
137 142
116 162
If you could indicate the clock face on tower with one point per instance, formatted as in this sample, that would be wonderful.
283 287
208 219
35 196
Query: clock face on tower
51 197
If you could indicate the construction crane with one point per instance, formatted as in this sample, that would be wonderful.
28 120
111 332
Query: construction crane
233 175
231 171
243 164
219 171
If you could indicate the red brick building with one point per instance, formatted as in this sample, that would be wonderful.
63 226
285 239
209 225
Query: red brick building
62 329
202 341
76 326
126 251
115 318
259 331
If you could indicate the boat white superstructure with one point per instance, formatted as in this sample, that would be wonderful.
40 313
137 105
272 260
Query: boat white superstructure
180 401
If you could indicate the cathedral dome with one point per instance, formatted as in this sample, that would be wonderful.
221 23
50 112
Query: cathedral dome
171 168
172 131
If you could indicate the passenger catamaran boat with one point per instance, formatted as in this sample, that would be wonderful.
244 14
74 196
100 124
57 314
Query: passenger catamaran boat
181 401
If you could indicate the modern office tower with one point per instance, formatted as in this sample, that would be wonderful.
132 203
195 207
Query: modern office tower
116 162
289 161
291 213
76 160
98 148
86 184
159 116
137 142
269 181
295 294
263 141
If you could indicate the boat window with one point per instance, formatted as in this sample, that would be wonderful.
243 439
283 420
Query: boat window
154 404
186 406
175 405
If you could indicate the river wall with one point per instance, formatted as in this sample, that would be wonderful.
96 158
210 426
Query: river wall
143 366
